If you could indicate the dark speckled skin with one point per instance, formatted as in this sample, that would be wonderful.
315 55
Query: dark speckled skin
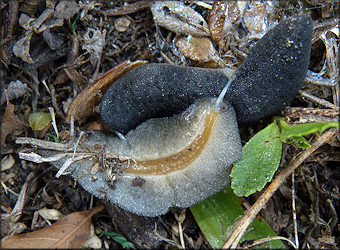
268 80
274 70
157 90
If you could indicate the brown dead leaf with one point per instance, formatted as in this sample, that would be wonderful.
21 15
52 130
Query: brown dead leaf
198 49
70 232
221 19
84 104
94 42
95 125
195 48
10 122
254 17
128 8
179 18
22 47
122 24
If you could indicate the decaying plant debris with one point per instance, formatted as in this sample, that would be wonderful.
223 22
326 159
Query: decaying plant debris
50 55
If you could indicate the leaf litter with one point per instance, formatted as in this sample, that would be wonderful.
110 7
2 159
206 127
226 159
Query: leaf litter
142 31
70 232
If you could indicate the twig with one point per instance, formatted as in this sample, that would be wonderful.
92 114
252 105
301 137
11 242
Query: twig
294 212
43 144
318 100
38 158
66 164
45 84
72 126
54 123
19 205
311 78
204 5
96 72
160 237
247 219
264 240
8 189
77 143
55 103
180 220
334 219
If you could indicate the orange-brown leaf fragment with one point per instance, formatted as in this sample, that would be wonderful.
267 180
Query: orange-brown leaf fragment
84 104
10 122
221 18
195 48
254 17
70 232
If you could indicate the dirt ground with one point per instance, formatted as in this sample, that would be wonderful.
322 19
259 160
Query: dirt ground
56 57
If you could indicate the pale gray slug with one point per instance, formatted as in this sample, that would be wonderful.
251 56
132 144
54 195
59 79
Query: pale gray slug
165 162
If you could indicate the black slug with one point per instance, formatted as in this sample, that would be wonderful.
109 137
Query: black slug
267 80
165 162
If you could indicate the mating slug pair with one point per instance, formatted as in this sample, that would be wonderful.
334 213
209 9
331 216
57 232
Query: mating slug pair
180 143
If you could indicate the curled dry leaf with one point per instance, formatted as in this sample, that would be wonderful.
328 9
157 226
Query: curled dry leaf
48 19
70 232
84 104
65 9
179 18
93 242
39 120
15 90
50 214
53 40
221 19
122 24
94 42
21 48
195 48
254 17
7 162
25 21
10 122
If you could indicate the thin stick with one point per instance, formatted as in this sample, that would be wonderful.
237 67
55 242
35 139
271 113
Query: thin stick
72 126
180 229
42 144
294 212
54 123
318 100
320 81
264 240
247 219
77 143
19 205
66 164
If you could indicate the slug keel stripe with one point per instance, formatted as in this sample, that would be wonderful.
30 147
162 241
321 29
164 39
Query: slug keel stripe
179 160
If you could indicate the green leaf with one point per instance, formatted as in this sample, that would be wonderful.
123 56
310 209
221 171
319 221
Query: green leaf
216 215
120 239
298 141
260 159
300 130
39 120
52 138
74 25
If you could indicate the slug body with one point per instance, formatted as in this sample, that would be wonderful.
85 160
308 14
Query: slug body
267 80
166 162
